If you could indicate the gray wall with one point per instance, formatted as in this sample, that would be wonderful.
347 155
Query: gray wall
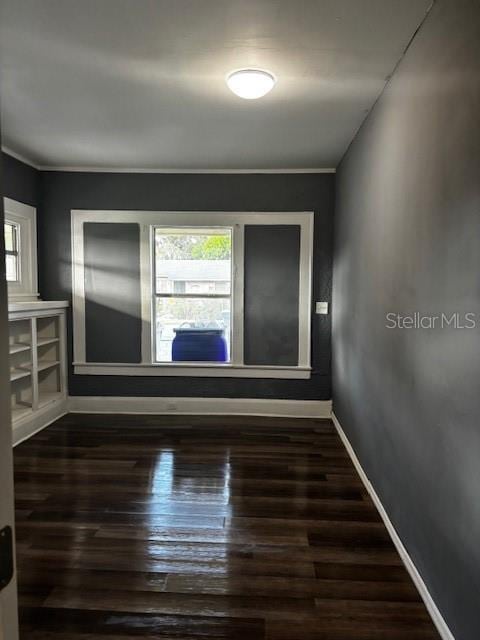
113 304
62 192
20 181
271 292
407 238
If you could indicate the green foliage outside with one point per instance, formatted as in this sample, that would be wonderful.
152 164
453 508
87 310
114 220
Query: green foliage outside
192 247
212 248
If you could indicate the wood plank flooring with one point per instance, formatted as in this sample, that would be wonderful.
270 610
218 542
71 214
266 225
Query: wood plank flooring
191 528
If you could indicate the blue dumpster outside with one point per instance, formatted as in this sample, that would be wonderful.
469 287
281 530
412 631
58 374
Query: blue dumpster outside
199 345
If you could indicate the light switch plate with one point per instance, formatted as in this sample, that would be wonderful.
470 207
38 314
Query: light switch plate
321 308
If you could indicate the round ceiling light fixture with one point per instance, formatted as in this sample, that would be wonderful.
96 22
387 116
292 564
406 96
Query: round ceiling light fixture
250 84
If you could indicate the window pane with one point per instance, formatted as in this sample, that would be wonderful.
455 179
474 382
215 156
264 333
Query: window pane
190 265
189 313
194 261
10 237
12 268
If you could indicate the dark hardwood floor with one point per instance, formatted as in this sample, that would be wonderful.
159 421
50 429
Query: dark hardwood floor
186 528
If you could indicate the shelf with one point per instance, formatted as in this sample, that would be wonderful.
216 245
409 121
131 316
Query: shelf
19 347
37 305
21 410
37 364
43 341
47 364
17 373
48 397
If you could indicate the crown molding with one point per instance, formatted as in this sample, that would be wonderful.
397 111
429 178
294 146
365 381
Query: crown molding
20 157
183 171
86 169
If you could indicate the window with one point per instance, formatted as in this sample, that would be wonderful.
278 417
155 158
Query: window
224 294
20 250
12 233
192 290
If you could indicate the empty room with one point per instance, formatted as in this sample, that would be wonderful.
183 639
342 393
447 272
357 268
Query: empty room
239 320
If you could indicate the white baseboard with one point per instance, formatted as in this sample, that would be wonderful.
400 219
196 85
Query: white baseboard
27 427
201 406
432 608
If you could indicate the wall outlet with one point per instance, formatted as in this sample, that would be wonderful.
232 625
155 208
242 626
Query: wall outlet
321 308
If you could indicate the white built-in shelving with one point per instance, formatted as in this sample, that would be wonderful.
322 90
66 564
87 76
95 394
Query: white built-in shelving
37 364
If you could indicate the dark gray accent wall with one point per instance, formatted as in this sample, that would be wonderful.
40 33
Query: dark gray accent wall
271 283
63 191
407 239
113 323
21 182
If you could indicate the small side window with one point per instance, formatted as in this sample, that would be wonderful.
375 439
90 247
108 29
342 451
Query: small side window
20 231
12 251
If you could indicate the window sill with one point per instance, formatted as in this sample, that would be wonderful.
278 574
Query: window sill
191 370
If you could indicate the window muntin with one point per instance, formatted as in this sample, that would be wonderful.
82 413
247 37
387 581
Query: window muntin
12 251
192 284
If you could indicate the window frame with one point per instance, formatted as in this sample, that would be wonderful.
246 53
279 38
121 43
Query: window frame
237 221
24 217
173 294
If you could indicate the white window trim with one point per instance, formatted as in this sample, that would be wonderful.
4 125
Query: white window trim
236 220
25 217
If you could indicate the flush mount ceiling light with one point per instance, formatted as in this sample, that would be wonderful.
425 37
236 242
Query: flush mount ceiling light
250 83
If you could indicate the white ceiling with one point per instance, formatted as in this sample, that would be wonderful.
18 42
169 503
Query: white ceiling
140 83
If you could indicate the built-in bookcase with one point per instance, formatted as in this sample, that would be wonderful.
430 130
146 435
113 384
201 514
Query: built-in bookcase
21 367
37 361
48 359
